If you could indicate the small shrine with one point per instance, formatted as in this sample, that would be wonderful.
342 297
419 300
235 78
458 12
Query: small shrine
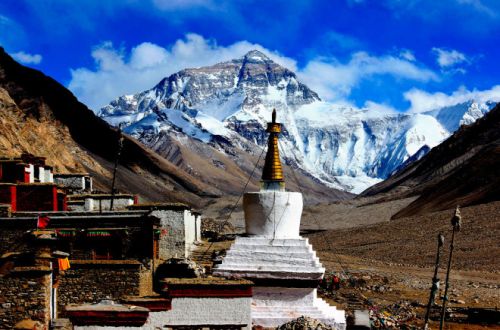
281 263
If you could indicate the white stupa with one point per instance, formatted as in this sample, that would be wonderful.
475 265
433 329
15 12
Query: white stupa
281 263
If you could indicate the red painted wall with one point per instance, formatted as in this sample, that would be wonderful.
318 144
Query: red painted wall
8 196
37 197
12 172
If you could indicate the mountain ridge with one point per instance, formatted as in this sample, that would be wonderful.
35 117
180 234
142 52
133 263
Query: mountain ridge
460 171
227 105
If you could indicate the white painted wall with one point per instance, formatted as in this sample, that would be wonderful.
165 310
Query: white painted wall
204 311
96 204
41 174
31 170
190 230
196 311
273 214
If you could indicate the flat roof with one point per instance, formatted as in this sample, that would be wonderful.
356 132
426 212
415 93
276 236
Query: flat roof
159 206
218 281
71 174
100 196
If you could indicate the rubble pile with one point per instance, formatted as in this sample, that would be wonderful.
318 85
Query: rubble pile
396 316
212 229
304 323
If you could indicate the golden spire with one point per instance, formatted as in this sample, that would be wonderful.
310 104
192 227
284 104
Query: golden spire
272 174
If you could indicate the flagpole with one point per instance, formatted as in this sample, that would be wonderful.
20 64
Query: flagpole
456 223
435 282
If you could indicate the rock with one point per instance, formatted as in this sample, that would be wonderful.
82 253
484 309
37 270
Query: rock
304 322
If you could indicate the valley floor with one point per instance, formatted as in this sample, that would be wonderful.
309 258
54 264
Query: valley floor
387 263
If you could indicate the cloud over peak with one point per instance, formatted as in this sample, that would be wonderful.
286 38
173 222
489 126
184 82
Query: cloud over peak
27 58
422 101
447 58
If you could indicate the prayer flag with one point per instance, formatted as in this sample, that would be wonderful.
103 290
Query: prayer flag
42 222
63 264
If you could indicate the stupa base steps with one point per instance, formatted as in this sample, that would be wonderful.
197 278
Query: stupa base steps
261 257
274 306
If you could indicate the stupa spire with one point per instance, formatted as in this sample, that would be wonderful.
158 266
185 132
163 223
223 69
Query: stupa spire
272 174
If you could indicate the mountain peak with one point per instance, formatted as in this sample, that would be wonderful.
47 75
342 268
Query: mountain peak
256 56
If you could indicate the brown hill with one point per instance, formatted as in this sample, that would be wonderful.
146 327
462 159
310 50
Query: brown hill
40 116
463 170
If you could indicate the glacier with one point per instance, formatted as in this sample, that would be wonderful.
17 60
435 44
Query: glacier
227 105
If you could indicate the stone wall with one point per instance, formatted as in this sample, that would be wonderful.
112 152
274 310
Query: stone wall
10 239
76 182
120 202
172 233
91 281
24 295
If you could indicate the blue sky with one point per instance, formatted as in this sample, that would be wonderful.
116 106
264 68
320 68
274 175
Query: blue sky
408 55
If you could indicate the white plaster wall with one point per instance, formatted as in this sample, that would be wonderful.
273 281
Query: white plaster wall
189 230
273 214
41 174
204 311
46 175
77 207
278 296
31 170
195 311
89 204
92 204
198 227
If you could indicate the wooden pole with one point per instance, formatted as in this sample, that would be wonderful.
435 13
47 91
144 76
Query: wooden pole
118 153
435 282
456 223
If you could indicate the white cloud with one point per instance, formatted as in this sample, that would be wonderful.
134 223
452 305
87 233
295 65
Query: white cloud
449 58
26 58
181 4
118 73
407 55
479 6
378 108
423 101
332 79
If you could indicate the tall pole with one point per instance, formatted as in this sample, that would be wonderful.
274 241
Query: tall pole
118 153
456 223
435 281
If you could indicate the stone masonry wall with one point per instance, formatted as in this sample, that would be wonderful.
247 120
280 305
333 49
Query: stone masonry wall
172 233
10 239
24 296
92 282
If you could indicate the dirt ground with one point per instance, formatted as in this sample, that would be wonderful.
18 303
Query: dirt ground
393 260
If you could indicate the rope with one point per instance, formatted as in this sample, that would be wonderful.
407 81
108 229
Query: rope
318 224
221 227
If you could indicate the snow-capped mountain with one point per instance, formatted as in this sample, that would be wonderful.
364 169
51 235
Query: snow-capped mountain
228 104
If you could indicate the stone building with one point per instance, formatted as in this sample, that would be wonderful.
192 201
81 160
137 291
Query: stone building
26 184
100 202
74 182
112 255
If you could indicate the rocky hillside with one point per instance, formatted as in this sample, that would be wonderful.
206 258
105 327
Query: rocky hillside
40 116
226 107
463 170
